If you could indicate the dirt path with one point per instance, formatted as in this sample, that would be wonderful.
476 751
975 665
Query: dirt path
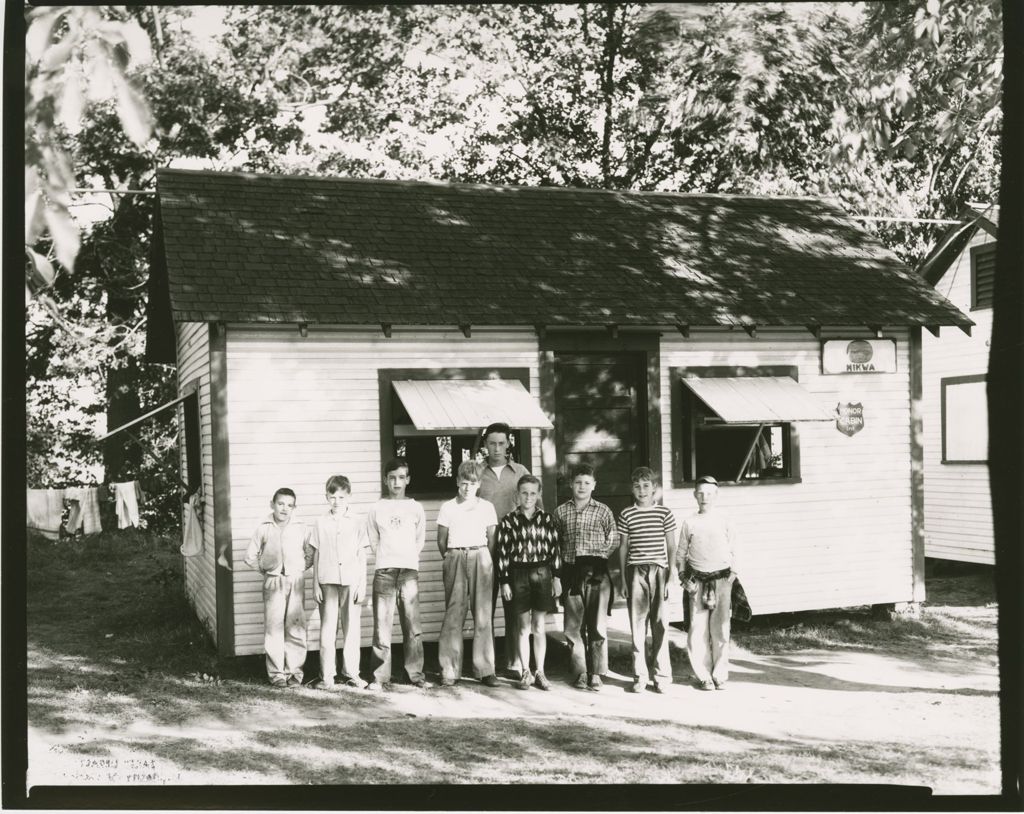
813 715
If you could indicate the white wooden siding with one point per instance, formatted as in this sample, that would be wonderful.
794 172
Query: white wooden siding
303 409
842 536
300 410
957 501
200 571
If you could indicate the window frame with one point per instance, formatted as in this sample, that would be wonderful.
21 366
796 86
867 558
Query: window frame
943 384
682 437
385 376
976 252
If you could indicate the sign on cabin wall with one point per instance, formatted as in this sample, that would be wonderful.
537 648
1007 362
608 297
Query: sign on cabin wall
850 420
858 356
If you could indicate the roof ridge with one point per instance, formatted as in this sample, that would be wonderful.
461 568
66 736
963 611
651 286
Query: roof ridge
471 185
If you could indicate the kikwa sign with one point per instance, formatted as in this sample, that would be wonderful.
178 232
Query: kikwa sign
858 356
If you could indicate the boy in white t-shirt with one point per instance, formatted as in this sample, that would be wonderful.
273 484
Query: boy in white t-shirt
397 528
466 538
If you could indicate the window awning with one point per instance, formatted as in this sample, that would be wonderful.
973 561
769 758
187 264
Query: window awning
469 404
758 399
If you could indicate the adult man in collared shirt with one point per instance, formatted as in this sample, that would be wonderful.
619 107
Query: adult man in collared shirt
499 485
588 536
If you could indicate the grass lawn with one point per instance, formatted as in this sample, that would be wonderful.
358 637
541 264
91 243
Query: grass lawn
124 687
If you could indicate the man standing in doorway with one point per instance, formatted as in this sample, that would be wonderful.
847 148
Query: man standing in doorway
498 484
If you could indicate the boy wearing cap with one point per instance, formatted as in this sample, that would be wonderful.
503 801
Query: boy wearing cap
706 563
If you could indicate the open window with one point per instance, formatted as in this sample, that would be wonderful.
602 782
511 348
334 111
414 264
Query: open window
739 424
964 420
434 419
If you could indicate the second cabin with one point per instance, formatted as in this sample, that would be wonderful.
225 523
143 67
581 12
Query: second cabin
324 325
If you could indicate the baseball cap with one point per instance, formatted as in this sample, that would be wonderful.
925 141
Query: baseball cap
706 479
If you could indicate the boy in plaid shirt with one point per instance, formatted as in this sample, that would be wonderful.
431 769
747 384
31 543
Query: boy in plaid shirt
586 528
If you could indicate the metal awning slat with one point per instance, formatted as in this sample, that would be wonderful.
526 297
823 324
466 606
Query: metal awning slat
469 404
758 399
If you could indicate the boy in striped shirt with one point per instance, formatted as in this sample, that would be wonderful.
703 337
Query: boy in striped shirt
647 561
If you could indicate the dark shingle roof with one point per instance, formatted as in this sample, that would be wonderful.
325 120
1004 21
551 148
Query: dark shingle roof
262 248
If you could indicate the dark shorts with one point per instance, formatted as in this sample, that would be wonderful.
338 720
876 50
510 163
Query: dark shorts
531 588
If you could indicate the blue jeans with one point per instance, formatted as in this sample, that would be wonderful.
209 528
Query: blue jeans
399 586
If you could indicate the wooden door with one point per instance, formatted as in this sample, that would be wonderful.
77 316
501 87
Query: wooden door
601 419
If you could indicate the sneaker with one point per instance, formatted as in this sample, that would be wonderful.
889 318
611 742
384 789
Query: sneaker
489 681
542 682
636 686
658 688
525 680
320 684
422 683
279 684
595 683
294 681
707 685
720 685
448 682
356 682
375 686
581 681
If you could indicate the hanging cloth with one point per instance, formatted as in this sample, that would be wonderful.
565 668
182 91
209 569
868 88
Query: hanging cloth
740 604
85 510
44 510
192 527
126 496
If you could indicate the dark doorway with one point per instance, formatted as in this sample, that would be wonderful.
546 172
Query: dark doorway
601 419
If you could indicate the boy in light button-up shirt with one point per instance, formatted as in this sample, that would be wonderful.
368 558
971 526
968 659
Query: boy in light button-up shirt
339 583
280 550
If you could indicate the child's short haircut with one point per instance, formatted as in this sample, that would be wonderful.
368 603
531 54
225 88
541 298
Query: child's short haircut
469 470
581 469
396 463
643 473
498 426
527 479
338 483
284 490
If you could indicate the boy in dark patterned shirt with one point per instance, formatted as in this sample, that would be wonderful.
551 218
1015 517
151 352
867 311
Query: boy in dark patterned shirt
529 564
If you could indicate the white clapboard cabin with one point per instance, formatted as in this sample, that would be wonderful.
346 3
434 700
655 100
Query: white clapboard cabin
957 502
321 325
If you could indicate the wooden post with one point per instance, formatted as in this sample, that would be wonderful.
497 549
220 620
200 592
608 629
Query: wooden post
916 464
224 576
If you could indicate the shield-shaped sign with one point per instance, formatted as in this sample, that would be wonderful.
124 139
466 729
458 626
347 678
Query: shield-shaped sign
851 418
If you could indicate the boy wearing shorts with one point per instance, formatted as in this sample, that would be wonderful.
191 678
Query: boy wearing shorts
647 554
339 583
466 527
529 564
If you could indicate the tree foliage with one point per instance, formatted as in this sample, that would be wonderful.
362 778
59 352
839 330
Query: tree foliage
893 108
